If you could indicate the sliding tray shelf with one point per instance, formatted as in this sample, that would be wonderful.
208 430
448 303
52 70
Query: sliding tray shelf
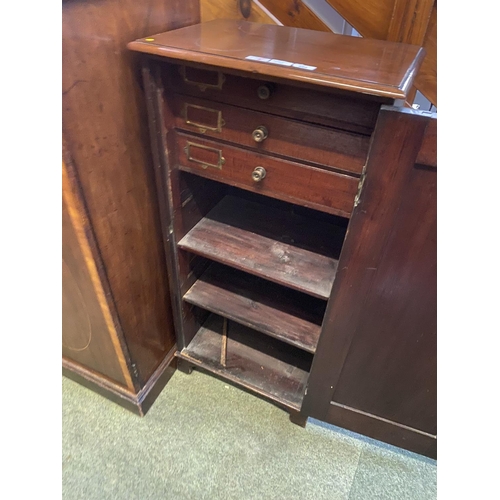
278 245
280 312
255 361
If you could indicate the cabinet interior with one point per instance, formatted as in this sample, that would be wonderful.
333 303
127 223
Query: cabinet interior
255 277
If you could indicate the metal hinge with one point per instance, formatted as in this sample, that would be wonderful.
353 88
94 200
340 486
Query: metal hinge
360 187
134 371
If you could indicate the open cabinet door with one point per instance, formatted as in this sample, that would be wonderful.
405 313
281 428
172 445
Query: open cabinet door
375 367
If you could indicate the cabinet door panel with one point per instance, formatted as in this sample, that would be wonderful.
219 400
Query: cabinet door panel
376 356
89 335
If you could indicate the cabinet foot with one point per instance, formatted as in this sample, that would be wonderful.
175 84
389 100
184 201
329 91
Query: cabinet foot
298 419
184 366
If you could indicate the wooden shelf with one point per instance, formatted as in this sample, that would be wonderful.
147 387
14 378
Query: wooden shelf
254 361
278 245
277 311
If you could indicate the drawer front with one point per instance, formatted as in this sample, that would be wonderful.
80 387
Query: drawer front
310 186
322 107
328 147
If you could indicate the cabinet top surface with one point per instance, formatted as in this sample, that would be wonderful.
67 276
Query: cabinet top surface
363 65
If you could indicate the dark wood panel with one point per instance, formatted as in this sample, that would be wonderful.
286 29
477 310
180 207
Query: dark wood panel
374 67
196 197
184 200
383 430
328 147
290 181
427 154
393 355
282 313
342 110
104 120
377 353
288 249
254 361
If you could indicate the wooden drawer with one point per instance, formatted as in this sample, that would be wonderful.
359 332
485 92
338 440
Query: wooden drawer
286 180
329 147
301 103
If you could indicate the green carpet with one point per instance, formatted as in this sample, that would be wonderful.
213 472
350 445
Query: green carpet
204 439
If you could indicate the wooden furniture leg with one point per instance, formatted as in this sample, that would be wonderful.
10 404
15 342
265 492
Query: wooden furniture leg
184 366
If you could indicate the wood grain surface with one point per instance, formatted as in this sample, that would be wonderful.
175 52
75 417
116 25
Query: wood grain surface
104 122
228 9
336 149
288 249
377 352
286 180
304 102
90 334
375 67
277 311
254 361
295 13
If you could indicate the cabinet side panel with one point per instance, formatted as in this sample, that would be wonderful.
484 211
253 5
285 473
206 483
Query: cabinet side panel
105 124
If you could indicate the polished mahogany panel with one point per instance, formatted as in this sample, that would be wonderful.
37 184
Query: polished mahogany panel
373 67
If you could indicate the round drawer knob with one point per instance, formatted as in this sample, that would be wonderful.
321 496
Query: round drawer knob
259 134
258 174
264 91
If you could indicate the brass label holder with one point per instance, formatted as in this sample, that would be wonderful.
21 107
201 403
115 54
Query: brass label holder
202 85
204 164
202 126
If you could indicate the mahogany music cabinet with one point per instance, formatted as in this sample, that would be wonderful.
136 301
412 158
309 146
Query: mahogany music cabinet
298 211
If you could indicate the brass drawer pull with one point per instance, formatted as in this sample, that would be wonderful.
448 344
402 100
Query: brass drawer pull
260 134
258 174
205 152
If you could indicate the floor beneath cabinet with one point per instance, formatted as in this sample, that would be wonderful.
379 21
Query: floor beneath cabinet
204 439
